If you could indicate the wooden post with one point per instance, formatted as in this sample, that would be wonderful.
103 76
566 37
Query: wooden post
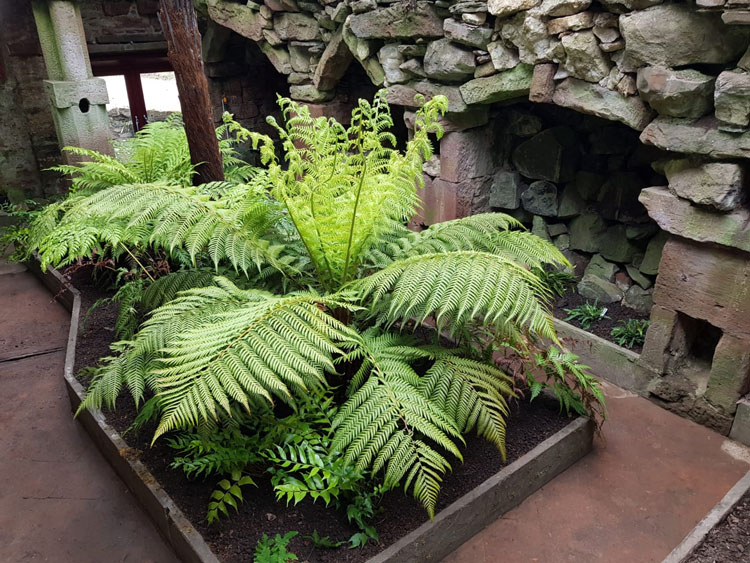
180 28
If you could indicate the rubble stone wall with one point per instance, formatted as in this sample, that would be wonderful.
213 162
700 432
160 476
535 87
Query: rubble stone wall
675 74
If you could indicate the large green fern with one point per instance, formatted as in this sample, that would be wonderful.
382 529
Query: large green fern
325 272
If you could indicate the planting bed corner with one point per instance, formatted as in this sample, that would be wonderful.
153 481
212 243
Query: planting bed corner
452 526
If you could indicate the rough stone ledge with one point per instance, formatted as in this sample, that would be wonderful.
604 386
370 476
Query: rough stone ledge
432 541
679 217
695 538
696 137
606 359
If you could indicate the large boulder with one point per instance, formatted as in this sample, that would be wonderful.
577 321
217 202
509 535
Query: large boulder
678 93
399 21
732 100
601 268
586 232
291 26
506 189
470 35
584 59
444 60
403 94
333 63
595 100
616 246
701 137
237 17
502 86
540 198
551 155
676 35
720 185
597 289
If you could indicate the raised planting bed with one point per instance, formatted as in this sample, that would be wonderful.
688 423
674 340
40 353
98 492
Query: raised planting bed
541 443
723 535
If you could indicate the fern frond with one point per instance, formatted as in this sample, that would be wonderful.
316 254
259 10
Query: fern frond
456 287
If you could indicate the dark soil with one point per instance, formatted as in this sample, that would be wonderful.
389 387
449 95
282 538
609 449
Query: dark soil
730 540
234 539
617 313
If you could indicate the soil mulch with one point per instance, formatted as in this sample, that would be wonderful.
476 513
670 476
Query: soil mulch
730 540
234 540
617 313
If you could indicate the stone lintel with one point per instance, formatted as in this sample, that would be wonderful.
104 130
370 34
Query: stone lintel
64 94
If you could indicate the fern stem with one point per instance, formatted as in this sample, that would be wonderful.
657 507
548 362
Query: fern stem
137 261
354 216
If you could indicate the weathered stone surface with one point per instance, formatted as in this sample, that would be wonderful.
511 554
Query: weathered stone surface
295 26
309 93
588 184
650 263
602 291
542 88
504 8
706 283
618 198
601 268
506 189
414 68
680 217
466 154
279 57
606 34
576 22
539 228
432 166
616 246
562 242
556 8
484 70
571 203
498 87
556 229
503 58
399 21
638 299
701 137
238 18
637 276
732 99
474 19
641 232
333 63
730 368
391 61
675 35
584 58
471 35
528 32
595 100
444 60
413 50
473 117
677 93
586 232
540 198
717 184
403 94
551 155
521 123
741 426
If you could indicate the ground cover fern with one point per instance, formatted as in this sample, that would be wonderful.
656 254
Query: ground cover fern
316 284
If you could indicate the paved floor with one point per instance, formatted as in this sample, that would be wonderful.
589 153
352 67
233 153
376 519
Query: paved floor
651 477
59 499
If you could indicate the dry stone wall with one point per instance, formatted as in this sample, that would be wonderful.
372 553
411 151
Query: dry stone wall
675 74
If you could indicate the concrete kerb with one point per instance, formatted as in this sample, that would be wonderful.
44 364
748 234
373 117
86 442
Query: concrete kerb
695 538
432 541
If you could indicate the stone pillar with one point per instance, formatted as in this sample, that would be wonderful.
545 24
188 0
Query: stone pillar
78 100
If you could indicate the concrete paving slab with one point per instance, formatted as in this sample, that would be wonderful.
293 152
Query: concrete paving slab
30 320
59 499
651 478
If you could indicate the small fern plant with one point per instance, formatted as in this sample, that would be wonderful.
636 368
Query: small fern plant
325 281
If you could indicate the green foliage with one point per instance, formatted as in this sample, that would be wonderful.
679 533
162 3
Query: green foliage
558 281
275 550
587 314
630 333
575 388
227 493
323 542
322 272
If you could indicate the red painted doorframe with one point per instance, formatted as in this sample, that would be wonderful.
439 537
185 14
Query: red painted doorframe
131 66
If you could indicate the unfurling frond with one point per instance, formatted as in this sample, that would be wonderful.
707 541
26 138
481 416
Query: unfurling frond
456 287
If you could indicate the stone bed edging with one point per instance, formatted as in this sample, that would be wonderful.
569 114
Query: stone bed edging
698 535
432 541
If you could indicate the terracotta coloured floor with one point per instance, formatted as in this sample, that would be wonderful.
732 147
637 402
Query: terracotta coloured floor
650 479
59 499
